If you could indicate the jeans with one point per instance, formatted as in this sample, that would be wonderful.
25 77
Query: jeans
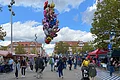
16 73
23 70
52 66
111 70
60 72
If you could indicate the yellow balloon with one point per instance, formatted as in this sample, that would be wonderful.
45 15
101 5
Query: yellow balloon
52 5
49 38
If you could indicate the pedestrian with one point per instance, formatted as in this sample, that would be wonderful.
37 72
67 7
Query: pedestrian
17 68
40 66
75 62
31 62
46 61
112 63
85 69
92 70
23 66
11 62
85 62
60 65
70 63
51 62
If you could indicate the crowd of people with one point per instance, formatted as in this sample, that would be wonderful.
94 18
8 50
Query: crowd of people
57 63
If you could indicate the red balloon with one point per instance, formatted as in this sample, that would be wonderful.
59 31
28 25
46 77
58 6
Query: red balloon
47 41
45 5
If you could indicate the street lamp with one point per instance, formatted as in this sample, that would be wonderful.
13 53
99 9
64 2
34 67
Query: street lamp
12 14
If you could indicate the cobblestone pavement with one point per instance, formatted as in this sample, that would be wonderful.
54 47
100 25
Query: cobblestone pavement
74 74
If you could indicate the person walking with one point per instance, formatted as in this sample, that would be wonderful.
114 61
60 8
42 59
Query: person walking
40 66
11 62
85 69
60 65
51 62
17 68
92 70
31 62
112 63
23 66
70 63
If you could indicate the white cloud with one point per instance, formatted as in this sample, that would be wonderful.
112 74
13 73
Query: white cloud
26 32
88 15
61 5
67 34
76 18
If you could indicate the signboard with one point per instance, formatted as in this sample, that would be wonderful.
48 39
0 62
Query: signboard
109 46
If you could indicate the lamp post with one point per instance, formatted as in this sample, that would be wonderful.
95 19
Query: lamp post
12 14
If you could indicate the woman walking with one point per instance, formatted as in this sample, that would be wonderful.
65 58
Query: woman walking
23 66
60 65
17 68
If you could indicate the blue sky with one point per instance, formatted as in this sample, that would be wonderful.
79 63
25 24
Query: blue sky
74 17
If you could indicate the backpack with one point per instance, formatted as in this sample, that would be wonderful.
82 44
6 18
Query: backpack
92 71
50 62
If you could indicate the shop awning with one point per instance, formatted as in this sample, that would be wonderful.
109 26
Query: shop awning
5 53
98 51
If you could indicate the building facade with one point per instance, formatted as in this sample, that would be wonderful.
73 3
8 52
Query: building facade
78 44
28 46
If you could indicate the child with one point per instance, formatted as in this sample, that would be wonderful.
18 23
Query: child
17 68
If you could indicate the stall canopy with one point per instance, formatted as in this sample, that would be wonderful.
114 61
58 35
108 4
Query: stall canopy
98 51
5 53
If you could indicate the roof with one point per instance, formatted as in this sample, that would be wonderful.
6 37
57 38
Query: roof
72 43
4 53
27 43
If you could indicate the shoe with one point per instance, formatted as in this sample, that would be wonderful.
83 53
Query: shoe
22 76
16 77
62 77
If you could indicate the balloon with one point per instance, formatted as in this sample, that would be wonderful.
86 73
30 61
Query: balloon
45 13
46 41
46 32
52 5
45 5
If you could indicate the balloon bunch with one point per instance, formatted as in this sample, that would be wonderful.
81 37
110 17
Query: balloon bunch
50 22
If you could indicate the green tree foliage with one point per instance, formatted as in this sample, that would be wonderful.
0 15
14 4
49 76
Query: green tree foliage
61 47
20 49
2 33
88 47
34 51
106 18
75 49
3 47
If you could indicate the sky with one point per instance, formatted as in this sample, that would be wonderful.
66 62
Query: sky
75 17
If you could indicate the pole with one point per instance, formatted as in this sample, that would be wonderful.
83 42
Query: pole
11 31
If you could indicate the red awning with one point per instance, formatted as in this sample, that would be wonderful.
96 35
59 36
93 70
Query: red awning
4 53
98 51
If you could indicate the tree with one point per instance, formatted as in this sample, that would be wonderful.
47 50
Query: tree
2 34
75 49
20 49
88 47
3 47
106 18
61 47
34 51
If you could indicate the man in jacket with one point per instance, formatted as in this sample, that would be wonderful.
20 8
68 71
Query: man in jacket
39 65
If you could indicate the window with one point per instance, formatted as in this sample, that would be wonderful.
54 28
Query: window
26 45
